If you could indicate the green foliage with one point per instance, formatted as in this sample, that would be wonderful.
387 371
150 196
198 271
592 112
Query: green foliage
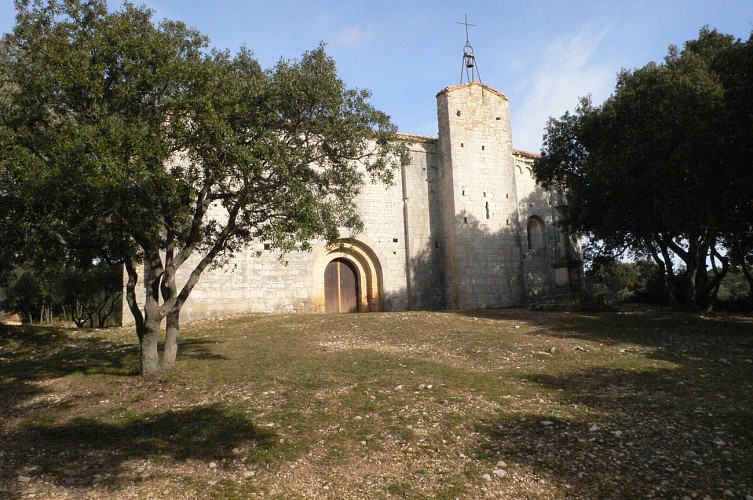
734 292
24 296
133 143
88 295
661 168
610 282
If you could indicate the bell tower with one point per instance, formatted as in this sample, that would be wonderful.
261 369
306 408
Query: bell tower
479 206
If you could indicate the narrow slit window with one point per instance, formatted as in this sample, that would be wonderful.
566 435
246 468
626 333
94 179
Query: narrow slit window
487 209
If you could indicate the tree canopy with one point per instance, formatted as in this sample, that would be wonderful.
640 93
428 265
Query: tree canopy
134 143
662 168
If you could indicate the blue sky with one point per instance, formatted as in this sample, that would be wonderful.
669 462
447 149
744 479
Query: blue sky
542 54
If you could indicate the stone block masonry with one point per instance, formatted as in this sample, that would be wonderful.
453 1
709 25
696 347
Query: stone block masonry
463 226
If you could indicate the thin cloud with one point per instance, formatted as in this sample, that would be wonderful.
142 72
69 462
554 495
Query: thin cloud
566 72
356 35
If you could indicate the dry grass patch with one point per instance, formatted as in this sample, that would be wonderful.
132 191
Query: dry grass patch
501 403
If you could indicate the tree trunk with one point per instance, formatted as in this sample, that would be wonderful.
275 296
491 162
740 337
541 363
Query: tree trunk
149 352
170 352
152 318
737 249
665 266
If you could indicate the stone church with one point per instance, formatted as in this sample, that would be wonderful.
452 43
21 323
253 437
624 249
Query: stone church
463 226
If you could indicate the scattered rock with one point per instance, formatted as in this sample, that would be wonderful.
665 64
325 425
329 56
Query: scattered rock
728 493
578 348
486 477
24 479
236 451
249 473
617 433
501 464
593 428
546 423
399 387
212 465
552 350
500 473
516 326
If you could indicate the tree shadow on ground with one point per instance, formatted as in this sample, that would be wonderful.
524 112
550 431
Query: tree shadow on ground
36 353
31 354
637 438
85 452
667 415
198 349
669 334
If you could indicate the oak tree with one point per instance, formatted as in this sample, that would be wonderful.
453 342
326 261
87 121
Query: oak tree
135 142
653 169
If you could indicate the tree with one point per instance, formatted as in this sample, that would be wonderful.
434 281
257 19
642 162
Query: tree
153 152
649 171
735 68
89 294
25 296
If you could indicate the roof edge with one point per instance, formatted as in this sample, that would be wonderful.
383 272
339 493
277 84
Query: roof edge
415 138
526 154
452 88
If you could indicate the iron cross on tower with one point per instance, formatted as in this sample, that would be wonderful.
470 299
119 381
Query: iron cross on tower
469 60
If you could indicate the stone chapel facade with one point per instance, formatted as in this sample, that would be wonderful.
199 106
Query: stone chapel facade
463 226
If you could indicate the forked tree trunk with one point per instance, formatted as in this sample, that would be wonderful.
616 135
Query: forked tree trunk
149 352
170 352
152 318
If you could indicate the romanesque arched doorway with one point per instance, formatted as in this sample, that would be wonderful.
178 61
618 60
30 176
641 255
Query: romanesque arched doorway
341 287
347 277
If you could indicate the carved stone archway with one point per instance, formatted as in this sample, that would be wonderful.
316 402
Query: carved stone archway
364 263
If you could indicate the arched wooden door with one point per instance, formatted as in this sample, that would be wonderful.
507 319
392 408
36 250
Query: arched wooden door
340 287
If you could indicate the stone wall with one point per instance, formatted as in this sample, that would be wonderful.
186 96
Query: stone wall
451 232
262 280
479 216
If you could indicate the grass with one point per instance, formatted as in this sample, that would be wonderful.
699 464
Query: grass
495 403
